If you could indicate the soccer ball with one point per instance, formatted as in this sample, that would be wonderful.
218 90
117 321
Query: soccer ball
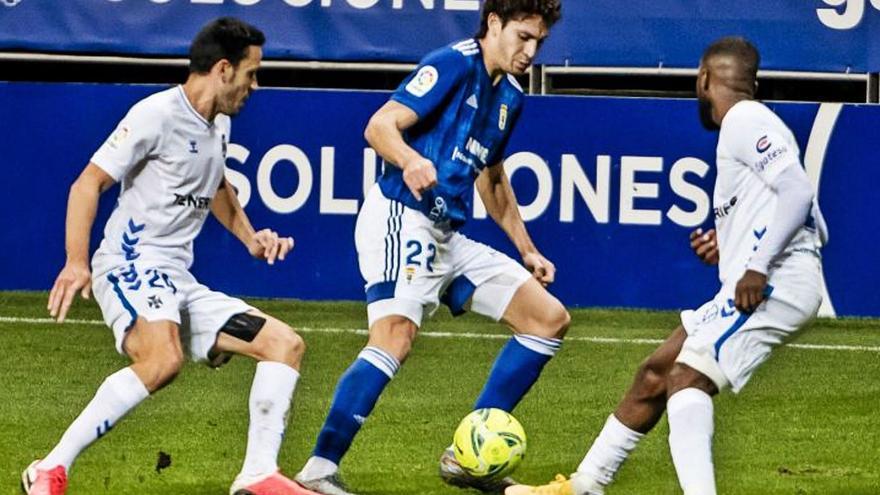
489 443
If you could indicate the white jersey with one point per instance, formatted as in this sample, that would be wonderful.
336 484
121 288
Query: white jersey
170 161
754 146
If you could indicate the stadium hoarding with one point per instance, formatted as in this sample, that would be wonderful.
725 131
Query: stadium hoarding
819 35
610 188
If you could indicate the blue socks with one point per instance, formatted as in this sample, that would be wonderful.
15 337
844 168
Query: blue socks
516 369
356 395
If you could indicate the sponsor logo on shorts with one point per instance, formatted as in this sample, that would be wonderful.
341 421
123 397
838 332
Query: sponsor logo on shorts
763 144
423 82
710 314
154 301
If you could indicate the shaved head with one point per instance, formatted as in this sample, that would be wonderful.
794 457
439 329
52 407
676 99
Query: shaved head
728 74
734 62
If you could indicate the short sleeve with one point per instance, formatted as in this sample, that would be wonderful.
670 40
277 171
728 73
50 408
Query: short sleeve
135 138
437 76
761 146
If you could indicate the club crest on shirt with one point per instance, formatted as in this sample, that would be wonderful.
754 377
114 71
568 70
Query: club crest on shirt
502 117
425 80
763 144
119 136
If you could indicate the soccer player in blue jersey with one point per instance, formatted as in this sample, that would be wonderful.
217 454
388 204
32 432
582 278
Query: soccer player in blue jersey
444 130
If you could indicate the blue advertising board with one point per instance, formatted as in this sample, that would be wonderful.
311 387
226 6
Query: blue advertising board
809 35
609 187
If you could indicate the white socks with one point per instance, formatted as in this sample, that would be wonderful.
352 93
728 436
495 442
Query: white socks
691 426
269 403
118 394
609 450
316 468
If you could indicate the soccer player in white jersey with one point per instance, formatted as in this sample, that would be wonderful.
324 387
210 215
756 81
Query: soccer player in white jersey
169 154
444 131
766 242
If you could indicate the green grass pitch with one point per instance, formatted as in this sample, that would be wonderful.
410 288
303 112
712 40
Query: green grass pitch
808 423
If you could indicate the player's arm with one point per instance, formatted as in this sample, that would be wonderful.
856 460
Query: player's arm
794 197
500 201
384 133
82 205
265 244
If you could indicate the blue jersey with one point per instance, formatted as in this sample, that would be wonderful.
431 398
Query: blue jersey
464 124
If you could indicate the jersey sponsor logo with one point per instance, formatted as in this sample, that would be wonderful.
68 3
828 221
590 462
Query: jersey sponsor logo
770 157
197 202
193 146
423 82
763 144
438 211
119 136
458 156
472 102
724 210
502 117
477 149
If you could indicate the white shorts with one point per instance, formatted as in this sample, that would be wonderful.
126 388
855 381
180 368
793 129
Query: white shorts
410 266
728 346
126 290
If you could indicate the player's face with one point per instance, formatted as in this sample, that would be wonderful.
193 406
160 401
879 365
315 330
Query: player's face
242 83
705 103
518 43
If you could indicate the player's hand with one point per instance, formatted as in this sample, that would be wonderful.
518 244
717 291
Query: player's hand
750 291
74 277
542 269
419 175
267 245
705 245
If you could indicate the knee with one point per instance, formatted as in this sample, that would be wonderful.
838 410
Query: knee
394 336
650 383
554 322
282 344
682 376
160 367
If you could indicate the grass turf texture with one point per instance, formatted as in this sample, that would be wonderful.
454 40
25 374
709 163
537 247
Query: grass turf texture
808 423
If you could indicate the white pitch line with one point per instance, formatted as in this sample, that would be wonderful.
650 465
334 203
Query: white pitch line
484 336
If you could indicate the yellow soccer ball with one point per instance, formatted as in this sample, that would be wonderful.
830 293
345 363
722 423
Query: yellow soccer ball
489 443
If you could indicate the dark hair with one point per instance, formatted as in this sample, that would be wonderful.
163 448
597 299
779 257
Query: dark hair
549 10
739 48
226 37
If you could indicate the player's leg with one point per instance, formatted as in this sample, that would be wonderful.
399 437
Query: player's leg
539 321
491 284
396 250
155 351
691 427
637 413
356 395
278 351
